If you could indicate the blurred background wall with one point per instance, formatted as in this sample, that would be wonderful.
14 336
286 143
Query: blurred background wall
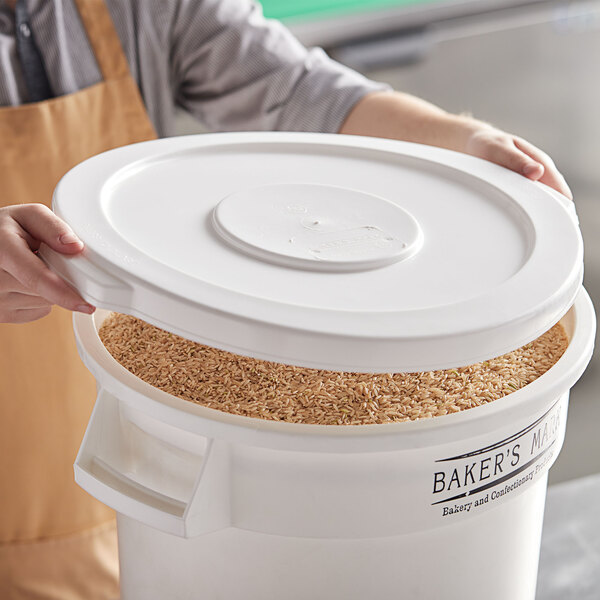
530 68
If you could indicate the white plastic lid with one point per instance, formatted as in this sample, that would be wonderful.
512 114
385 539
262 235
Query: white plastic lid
326 251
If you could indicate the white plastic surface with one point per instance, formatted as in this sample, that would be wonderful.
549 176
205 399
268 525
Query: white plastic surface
317 227
493 555
214 505
491 259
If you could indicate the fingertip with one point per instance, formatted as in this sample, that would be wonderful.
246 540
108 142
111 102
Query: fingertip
553 179
70 242
88 309
533 170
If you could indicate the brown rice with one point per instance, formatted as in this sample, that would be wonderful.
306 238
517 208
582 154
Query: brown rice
268 390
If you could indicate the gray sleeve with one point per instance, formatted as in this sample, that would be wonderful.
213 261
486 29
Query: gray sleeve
235 70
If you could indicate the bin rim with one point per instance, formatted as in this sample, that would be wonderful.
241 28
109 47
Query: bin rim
530 401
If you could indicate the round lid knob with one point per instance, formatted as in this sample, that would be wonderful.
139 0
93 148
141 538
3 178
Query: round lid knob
317 227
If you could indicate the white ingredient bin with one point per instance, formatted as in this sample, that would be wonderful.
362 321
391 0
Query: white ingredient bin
341 253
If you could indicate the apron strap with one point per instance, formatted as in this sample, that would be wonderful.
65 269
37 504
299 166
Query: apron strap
34 72
103 38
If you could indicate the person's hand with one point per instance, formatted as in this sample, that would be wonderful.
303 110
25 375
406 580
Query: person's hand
403 117
516 154
28 289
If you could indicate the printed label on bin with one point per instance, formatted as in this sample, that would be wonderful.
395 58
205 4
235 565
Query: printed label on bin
484 476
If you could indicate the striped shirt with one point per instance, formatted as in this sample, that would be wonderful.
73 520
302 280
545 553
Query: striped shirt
219 60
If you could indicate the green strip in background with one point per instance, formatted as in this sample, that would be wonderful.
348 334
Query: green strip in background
307 10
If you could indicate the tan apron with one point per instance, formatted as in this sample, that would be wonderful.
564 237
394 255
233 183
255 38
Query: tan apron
56 541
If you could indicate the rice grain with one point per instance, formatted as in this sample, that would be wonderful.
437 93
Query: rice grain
268 390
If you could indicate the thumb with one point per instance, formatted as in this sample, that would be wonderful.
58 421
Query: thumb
41 224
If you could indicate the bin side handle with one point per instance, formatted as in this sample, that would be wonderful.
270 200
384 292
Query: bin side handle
110 476
208 507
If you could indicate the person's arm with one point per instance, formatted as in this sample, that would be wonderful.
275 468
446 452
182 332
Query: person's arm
234 69
403 117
